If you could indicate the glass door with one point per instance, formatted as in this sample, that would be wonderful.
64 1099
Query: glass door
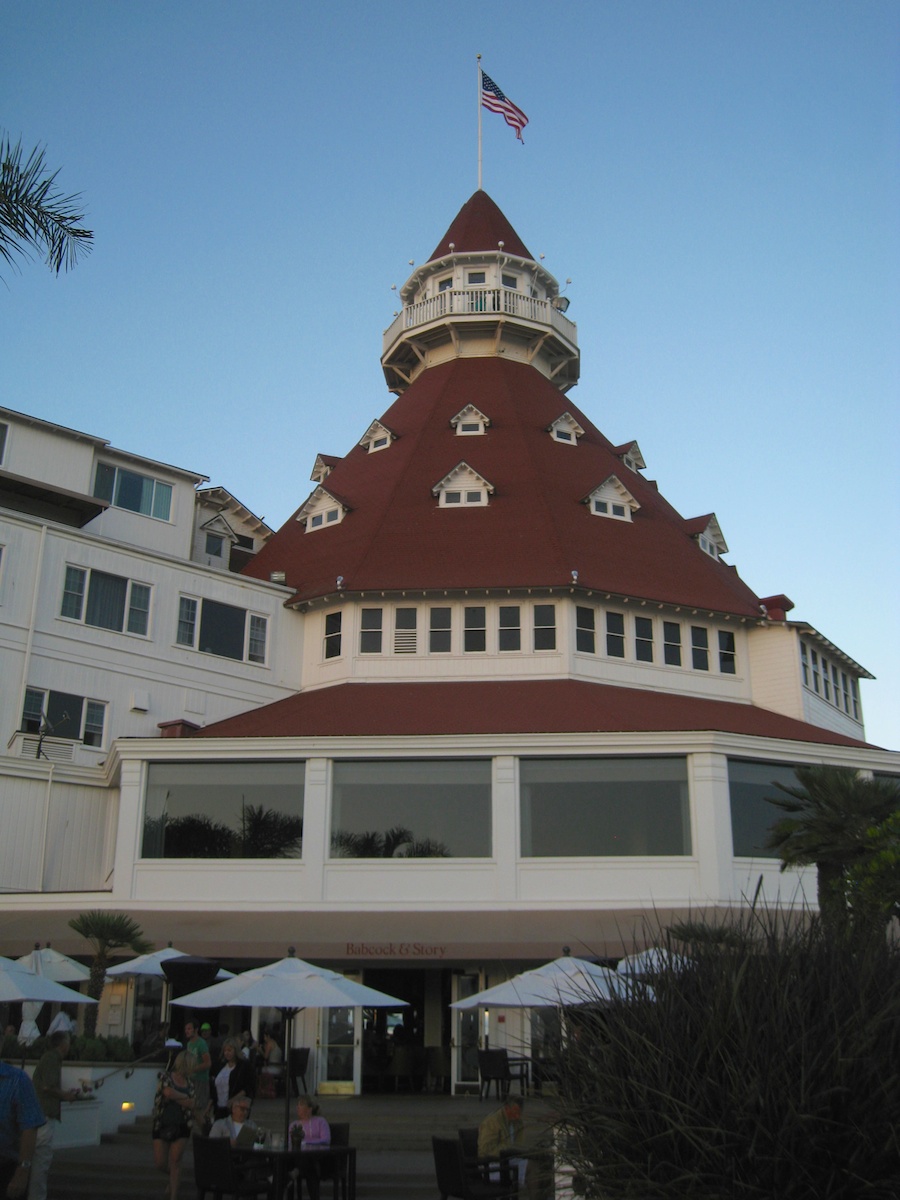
466 1034
340 1051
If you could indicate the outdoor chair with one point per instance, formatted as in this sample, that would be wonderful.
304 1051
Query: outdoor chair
299 1061
215 1171
494 1067
480 1168
454 1180
330 1168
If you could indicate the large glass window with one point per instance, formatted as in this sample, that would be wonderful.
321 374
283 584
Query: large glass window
752 816
577 807
224 810
63 715
137 493
112 602
223 629
432 808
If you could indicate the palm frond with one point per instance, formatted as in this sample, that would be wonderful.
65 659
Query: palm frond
34 214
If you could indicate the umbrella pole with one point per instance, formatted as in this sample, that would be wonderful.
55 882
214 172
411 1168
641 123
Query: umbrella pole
288 1014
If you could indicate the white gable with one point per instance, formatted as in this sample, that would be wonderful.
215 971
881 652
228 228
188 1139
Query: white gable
470 421
612 499
376 437
565 429
321 510
463 487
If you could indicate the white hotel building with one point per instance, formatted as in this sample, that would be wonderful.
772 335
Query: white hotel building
484 695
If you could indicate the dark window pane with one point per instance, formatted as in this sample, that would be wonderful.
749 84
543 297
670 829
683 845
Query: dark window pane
222 629
224 810
64 715
604 807
436 808
615 635
752 816
104 481
106 601
510 633
474 636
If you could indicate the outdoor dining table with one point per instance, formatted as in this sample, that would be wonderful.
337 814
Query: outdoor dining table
284 1161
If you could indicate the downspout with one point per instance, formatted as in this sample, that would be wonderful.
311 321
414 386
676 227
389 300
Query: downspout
29 641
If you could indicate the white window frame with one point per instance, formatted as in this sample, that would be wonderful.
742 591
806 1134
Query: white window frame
250 616
87 703
332 642
158 484
131 607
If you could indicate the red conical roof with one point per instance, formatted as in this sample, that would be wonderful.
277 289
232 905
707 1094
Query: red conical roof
478 227
534 532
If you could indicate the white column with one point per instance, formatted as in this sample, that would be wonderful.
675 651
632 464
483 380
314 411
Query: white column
505 826
711 825
129 828
316 827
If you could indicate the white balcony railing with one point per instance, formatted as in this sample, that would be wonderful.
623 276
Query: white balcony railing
478 303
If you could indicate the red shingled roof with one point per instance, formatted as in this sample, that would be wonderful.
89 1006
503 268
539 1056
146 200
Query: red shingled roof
479 226
507 707
534 532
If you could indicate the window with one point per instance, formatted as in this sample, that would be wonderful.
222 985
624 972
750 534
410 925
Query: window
4 430
750 784
804 663
106 601
509 281
224 810
474 630
137 493
63 715
545 627
223 630
672 643
332 635
699 648
428 808
726 652
610 807
510 630
370 631
643 639
405 631
215 544
474 278
444 285
320 519
708 546
439 631
457 497
584 630
615 635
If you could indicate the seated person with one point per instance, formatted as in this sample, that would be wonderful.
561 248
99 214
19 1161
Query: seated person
502 1134
237 1127
316 1135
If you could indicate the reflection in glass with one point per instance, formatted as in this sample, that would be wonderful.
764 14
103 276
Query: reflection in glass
579 807
752 816
224 810
434 808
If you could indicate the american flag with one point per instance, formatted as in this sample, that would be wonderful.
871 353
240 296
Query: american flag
493 99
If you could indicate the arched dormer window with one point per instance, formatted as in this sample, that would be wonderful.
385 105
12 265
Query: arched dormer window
612 499
463 488
322 509
708 535
470 422
377 437
565 429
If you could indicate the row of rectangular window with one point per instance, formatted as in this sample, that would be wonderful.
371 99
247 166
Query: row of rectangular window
113 602
824 678
509 634
700 656
440 630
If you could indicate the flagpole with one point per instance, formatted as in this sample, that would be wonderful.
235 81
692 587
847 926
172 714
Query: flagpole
478 58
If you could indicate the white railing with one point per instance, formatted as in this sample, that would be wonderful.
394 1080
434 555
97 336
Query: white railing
478 303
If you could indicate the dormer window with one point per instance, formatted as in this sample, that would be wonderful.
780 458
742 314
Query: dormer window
322 468
708 535
463 488
322 509
470 422
565 429
630 454
612 499
377 437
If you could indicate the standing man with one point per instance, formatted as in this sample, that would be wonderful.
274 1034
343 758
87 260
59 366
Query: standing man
47 1081
201 1061
20 1119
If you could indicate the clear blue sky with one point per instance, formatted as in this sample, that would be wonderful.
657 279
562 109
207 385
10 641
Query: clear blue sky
720 179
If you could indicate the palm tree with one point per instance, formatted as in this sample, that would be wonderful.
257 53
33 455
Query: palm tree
107 932
36 215
831 811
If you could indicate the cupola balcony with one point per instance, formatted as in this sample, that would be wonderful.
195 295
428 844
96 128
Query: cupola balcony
481 322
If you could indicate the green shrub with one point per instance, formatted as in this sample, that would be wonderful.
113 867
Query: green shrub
768 1068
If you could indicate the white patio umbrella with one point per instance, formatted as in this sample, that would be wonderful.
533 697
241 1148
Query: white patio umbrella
561 983
54 965
50 964
151 964
19 986
289 985
650 962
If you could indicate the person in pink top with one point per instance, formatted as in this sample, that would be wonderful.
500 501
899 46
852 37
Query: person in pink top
315 1132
